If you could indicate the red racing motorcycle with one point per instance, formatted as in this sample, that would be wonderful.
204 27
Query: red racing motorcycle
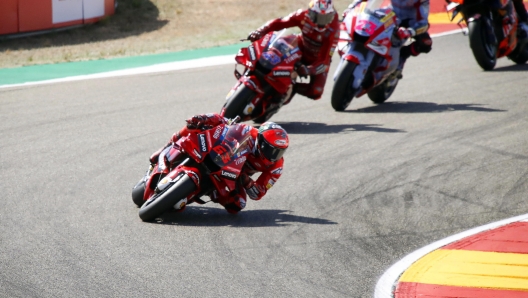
492 30
266 84
192 167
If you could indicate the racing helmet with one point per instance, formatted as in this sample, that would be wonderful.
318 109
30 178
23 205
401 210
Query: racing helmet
321 13
272 142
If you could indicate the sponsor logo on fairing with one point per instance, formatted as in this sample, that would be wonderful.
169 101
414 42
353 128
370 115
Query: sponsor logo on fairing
281 73
292 58
217 132
277 171
240 160
197 154
228 175
252 55
203 142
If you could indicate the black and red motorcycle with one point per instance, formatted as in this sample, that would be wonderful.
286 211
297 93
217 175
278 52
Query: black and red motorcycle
192 167
266 83
492 28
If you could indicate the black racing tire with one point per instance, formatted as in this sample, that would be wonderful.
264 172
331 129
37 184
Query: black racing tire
138 193
342 92
263 118
165 201
520 54
484 50
235 105
383 91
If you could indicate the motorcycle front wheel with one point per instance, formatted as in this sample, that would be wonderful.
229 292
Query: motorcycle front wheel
138 192
342 92
165 200
235 104
482 45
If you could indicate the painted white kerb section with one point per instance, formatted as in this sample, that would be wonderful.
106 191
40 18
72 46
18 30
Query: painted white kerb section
387 282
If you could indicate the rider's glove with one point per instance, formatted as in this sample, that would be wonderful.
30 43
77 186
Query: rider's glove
404 33
302 70
255 35
196 122
252 189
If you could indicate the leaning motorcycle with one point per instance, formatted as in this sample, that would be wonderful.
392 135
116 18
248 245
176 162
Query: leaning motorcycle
266 83
194 166
369 47
492 30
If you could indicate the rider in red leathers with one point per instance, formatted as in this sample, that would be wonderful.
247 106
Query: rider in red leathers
320 32
269 143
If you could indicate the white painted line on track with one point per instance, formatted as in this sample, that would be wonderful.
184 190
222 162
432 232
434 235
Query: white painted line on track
387 282
162 67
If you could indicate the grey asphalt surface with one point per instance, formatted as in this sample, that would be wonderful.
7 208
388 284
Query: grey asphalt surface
360 190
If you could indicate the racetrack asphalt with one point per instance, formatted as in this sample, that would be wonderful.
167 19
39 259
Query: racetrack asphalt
485 261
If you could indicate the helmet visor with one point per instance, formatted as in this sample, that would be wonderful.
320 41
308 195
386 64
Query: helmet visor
321 20
269 151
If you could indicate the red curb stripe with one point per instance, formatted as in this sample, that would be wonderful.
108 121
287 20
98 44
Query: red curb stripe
511 238
412 290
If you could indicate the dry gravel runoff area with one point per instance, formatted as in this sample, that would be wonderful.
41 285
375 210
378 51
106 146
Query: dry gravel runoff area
142 27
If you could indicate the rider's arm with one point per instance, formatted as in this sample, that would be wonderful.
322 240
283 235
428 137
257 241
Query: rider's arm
422 18
198 122
291 20
205 120
256 190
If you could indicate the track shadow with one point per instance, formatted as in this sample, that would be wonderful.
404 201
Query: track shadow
515 67
218 217
323 128
131 18
422 107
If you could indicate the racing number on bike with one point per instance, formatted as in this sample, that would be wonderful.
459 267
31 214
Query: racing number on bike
366 26
222 152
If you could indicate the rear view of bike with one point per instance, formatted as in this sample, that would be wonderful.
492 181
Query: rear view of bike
370 49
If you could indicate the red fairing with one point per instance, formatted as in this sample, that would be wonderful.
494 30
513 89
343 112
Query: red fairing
224 146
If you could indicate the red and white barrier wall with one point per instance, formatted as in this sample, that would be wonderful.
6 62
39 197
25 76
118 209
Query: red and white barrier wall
18 16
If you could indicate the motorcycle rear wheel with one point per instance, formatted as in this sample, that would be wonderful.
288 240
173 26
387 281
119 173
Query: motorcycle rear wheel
520 54
235 105
383 91
484 50
342 92
165 201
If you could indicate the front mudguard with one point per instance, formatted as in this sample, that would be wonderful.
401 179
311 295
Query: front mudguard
360 55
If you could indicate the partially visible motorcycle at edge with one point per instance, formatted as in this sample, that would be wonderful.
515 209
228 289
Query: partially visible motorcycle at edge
195 165
369 47
268 78
492 29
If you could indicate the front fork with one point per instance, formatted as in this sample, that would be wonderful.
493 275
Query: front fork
360 55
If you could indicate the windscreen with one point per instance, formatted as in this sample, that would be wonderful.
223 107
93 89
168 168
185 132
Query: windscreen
232 144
